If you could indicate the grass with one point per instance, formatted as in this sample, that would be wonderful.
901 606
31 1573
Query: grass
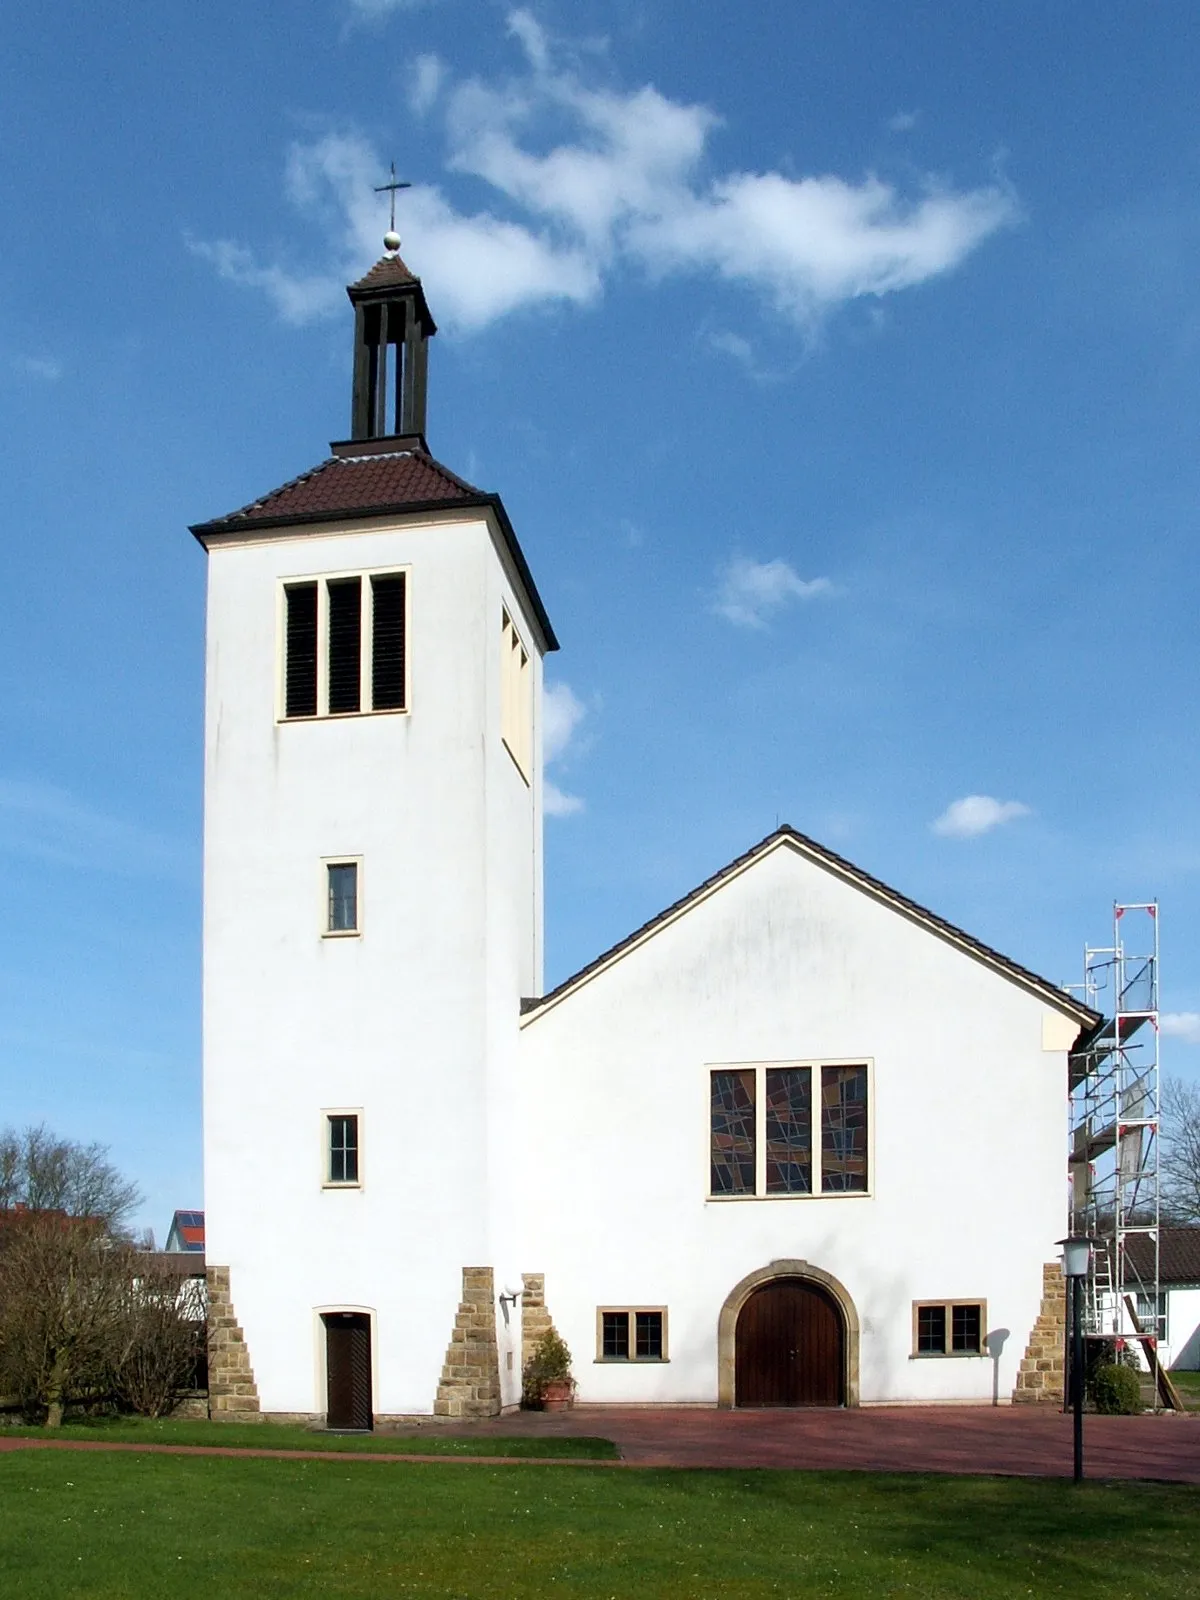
1188 1384
281 1436
122 1526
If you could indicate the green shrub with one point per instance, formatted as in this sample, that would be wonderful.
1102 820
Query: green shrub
1116 1390
550 1360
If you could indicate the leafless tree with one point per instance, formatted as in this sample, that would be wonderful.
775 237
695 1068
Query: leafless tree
63 1282
159 1338
1179 1156
42 1172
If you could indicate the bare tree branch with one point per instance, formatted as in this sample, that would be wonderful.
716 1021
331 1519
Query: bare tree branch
1179 1159
42 1172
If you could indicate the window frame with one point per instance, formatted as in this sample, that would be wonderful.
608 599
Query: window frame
328 1113
355 932
948 1307
516 696
760 1070
322 580
633 1359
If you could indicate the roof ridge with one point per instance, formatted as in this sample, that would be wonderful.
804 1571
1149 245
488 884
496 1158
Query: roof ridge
841 865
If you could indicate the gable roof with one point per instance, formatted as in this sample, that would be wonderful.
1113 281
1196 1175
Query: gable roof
186 1232
384 477
786 836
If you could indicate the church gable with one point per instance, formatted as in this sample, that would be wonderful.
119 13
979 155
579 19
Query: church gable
790 843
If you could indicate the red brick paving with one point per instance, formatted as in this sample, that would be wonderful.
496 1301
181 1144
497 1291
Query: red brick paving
1018 1441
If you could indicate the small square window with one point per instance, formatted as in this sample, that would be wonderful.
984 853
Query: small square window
341 897
341 1148
631 1335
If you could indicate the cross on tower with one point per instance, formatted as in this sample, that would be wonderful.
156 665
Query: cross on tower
391 188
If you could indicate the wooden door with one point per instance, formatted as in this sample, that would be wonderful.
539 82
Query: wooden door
348 1369
789 1347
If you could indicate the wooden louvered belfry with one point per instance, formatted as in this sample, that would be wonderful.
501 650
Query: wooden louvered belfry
392 329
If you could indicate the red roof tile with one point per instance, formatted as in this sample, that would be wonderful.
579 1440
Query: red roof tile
389 272
346 485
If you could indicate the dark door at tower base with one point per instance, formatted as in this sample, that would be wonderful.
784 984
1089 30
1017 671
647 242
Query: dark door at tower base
789 1347
348 1369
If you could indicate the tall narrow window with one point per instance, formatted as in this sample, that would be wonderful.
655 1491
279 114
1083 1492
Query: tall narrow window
516 696
342 898
345 645
342 1152
789 1130
300 686
732 1132
388 642
844 1129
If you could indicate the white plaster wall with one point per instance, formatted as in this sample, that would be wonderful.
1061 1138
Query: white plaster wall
395 1022
1183 1329
786 962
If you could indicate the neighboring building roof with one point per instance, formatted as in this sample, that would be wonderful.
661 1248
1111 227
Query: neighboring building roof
857 878
1178 1255
375 478
186 1232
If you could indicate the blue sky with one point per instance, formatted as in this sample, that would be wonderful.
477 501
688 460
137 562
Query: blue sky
837 364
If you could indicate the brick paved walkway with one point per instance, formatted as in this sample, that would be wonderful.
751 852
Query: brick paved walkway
1018 1441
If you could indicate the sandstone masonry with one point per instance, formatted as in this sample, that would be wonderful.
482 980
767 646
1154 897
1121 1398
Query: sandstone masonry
470 1384
232 1392
1040 1380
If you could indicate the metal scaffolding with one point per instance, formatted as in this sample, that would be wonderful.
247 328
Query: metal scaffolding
1114 1132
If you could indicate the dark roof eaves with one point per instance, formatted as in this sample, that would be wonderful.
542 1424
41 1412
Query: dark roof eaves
1026 978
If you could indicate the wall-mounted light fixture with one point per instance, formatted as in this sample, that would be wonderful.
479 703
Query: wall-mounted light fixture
506 1300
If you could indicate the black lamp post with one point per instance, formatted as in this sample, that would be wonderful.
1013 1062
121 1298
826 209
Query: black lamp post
1076 1264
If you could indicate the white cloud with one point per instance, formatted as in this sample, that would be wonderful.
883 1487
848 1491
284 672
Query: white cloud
751 592
903 121
589 181
562 712
975 814
1183 1025
50 824
425 83
44 367
557 804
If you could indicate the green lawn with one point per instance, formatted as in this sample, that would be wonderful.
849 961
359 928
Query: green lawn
104 1526
279 1436
1188 1384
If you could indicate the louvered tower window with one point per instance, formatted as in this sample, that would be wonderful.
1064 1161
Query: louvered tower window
345 645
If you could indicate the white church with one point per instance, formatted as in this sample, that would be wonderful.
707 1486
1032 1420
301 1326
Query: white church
749 1156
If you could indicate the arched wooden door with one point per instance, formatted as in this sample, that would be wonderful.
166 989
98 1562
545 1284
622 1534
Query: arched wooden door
790 1347
348 1369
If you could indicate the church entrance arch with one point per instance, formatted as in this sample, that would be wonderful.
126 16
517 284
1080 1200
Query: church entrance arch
788 1336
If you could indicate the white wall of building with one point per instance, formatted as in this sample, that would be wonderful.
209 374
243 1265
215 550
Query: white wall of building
785 962
1183 1329
398 1023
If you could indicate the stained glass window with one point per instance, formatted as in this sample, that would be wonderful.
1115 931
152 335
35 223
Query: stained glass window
843 1130
732 1145
789 1130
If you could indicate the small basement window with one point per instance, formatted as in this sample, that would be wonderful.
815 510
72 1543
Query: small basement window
634 1333
949 1327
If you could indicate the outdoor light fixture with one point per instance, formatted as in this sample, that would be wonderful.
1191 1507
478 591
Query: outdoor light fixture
1076 1264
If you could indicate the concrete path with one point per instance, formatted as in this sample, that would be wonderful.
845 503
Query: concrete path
1011 1441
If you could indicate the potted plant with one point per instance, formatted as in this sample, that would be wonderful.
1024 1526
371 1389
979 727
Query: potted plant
546 1381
